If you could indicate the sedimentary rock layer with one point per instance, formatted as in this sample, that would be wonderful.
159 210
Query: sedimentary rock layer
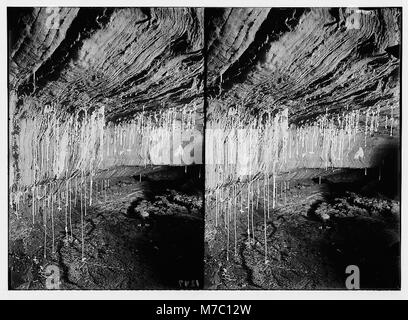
308 60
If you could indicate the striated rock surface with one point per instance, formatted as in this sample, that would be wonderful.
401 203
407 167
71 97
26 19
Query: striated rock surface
124 59
307 60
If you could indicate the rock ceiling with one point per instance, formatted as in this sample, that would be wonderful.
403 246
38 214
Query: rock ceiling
129 59
124 59
305 59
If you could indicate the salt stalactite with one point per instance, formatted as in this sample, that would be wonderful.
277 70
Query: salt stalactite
82 221
257 195
377 122
235 219
273 189
33 203
228 230
52 222
248 213
85 202
252 214
76 191
366 127
104 188
44 211
90 189
265 225
391 120
66 209
216 207
267 189
70 209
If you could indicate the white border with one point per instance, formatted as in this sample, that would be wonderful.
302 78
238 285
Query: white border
194 295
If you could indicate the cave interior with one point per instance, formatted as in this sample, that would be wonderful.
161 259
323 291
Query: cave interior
215 148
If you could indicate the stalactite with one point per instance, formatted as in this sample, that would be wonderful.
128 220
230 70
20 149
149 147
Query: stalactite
33 204
252 214
366 128
235 220
52 221
216 207
66 209
90 190
265 226
104 188
273 191
85 201
391 120
76 191
257 194
44 211
248 211
82 221
228 230
70 209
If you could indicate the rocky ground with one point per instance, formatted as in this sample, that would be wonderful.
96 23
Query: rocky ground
148 235
347 219
138 235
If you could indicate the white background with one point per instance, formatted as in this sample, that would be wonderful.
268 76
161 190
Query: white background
196 295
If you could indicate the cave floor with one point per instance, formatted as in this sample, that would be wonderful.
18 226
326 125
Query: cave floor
122 249
322 228
311 239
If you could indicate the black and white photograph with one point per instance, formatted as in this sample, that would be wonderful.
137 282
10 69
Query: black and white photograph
105 148
303 148
204 148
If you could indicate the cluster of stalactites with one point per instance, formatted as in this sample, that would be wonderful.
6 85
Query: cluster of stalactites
50 147
59 160
237 151
246 157
131 142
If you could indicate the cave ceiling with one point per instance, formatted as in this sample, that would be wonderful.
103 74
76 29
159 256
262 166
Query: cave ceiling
126 59
308 60
129 59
